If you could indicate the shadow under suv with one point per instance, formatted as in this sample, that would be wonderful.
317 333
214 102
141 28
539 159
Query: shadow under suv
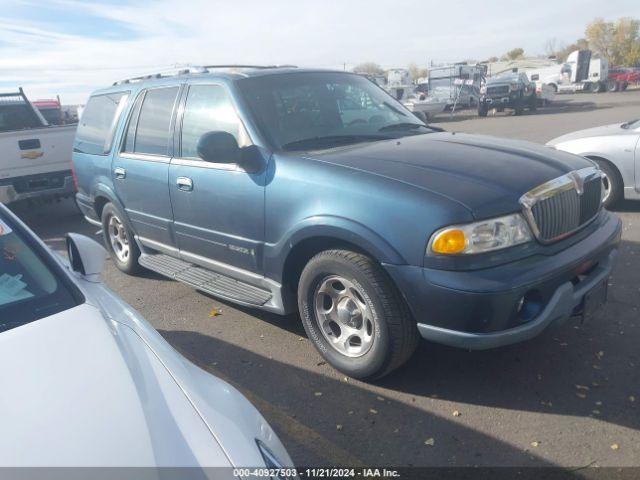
315 191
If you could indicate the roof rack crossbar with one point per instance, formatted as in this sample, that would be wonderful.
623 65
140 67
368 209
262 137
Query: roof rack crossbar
194 69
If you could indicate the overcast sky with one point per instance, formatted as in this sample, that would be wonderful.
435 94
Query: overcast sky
71 47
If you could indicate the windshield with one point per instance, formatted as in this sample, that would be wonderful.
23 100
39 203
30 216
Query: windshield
29 288
296 109
633 124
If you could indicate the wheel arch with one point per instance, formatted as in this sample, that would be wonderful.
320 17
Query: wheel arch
600 158
103 195
310 240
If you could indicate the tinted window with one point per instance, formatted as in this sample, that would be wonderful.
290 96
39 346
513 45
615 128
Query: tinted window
130 137
17 117
29 287
209 109
95 130
154 123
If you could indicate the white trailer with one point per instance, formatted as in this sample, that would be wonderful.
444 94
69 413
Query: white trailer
35 158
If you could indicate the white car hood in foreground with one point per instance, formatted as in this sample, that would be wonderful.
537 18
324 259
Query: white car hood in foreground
606 130
80 390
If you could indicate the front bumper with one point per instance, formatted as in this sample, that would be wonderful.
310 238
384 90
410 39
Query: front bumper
53 184
499 101
481 309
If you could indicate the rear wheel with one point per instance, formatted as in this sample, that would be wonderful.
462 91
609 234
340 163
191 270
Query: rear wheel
612 184
118 239
613 86
354 314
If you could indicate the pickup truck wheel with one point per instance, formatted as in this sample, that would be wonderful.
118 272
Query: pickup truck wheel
612 184
354 314
518 108
119 240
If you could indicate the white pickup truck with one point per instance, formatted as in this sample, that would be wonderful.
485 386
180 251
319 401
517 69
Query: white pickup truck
35 158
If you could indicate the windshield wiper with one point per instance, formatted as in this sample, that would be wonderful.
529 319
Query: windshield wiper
407 126
330 140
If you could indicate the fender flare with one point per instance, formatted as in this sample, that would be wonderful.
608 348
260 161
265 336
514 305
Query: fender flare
338 228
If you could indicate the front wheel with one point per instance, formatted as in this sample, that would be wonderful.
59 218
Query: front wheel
518 108
354 314
612 184
118 239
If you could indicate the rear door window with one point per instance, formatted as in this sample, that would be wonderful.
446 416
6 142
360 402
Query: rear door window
153 132
98 122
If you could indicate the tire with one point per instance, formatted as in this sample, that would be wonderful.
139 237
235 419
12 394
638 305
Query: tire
482 110
613 182
518 108
613 86
119 241
346 295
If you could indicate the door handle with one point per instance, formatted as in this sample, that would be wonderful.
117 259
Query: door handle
120 173
184 183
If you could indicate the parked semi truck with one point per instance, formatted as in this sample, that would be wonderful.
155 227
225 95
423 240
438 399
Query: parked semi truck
35 157
580 73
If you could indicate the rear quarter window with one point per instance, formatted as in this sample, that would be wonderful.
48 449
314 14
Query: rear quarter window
98 122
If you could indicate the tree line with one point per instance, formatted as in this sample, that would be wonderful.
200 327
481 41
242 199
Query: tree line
618 42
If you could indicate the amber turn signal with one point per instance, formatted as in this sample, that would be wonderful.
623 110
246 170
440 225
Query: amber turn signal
449 242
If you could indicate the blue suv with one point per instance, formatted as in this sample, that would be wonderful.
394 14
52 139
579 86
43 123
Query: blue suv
315 191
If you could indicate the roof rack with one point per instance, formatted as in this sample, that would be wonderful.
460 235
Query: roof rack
195 70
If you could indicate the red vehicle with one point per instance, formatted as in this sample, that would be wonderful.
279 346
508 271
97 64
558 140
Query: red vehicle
620 78
51 110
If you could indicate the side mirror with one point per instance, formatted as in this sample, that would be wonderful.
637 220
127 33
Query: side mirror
218 147
86 256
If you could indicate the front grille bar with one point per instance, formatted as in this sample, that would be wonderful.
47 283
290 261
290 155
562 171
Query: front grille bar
562 206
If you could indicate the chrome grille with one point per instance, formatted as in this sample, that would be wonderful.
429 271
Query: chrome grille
564 205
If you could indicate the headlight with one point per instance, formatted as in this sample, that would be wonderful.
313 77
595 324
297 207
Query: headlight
272 463
479 237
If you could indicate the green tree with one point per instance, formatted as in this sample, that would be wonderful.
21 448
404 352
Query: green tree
369 68
513 54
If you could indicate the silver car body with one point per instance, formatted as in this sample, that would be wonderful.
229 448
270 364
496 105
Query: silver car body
617 145
97 386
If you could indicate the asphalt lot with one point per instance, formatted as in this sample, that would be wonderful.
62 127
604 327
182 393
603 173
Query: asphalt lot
561 399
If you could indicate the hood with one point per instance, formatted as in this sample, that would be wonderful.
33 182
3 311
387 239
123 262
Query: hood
606 130
79 390
488 175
